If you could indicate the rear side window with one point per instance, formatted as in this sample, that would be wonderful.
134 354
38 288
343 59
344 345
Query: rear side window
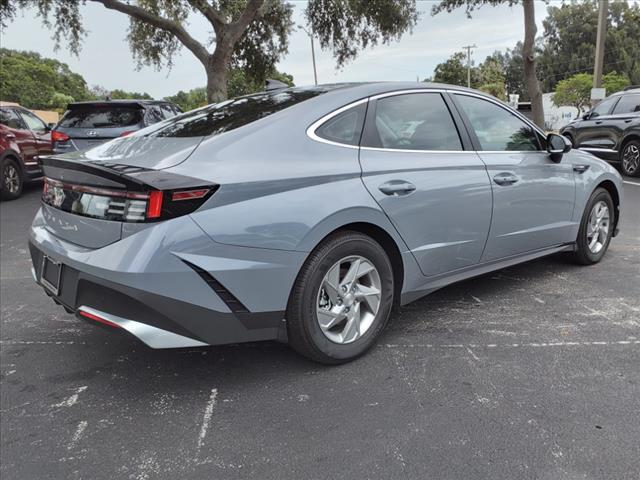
628 104
416 121
32 121
225 116
9 118
346 127
154 114
496 128
111 116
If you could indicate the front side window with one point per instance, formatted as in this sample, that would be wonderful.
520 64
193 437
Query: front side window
345 127
32 121
154 114
9 118
415 121
628 104
604 107
101 116
496 128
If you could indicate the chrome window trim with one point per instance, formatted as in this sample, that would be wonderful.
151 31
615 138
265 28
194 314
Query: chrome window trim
318 123
382 149
311 130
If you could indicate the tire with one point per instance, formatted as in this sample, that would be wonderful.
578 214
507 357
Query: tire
11 181
314 300
630 158
586 254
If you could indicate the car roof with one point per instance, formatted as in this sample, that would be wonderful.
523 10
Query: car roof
120 102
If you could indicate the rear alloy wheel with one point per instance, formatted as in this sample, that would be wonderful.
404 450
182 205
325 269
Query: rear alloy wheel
596 228
630 158
341 300
11 179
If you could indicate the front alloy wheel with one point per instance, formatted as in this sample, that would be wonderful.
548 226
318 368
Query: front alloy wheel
596 228
631 159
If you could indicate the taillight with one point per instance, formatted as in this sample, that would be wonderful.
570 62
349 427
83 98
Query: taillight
128 132
122 205
57 136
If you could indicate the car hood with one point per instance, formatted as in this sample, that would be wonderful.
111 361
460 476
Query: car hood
154 153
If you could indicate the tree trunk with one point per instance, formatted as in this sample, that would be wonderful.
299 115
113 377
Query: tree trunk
530 78
217 69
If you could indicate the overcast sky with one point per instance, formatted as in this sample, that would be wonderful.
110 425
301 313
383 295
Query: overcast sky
105 58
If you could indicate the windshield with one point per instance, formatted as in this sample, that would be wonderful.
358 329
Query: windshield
111 116
222 117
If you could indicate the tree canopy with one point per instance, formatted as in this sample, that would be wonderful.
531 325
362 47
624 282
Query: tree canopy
247 34
575 91
37 82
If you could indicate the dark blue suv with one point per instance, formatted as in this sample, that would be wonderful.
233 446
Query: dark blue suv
611 130
87 124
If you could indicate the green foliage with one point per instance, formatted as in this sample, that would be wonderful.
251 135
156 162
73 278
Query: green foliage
454 71
574 91
570 35
238 85
348 26
194 98
497 89
59 102
118 94
32 81
614 82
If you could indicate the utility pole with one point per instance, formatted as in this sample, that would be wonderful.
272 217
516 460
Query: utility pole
600 39
313 53
469 47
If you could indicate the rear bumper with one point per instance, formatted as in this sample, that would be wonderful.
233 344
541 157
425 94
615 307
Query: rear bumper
158 296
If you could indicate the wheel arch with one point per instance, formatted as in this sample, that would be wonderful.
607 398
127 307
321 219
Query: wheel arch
13 155
391 242
610 187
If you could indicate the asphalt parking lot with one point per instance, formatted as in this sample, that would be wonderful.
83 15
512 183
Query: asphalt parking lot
532 372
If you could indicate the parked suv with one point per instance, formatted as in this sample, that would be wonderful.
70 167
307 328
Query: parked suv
611 130
23 138
87 124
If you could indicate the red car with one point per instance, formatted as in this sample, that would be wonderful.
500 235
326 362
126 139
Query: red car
23 138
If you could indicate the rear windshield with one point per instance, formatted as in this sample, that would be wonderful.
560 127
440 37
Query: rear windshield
111 116
225 116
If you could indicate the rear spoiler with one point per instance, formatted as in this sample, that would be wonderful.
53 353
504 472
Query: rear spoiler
114 175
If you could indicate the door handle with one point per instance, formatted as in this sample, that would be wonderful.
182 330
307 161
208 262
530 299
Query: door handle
10 135
628 120
505 178
598 122
397 188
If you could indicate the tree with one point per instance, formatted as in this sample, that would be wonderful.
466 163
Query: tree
122 94
574 91
570 35
529 60
614 82
32 80
454 71
194 98
247 34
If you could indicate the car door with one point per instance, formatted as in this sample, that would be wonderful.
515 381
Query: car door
19 133
436 193
595 131
533 197
41 133
625 114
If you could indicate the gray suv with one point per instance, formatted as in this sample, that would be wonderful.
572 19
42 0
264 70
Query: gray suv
87 124
305 214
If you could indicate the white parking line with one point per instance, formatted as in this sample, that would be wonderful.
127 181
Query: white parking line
206 418
631 183
516 345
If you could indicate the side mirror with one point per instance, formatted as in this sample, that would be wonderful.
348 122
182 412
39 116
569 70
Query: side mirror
557 145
